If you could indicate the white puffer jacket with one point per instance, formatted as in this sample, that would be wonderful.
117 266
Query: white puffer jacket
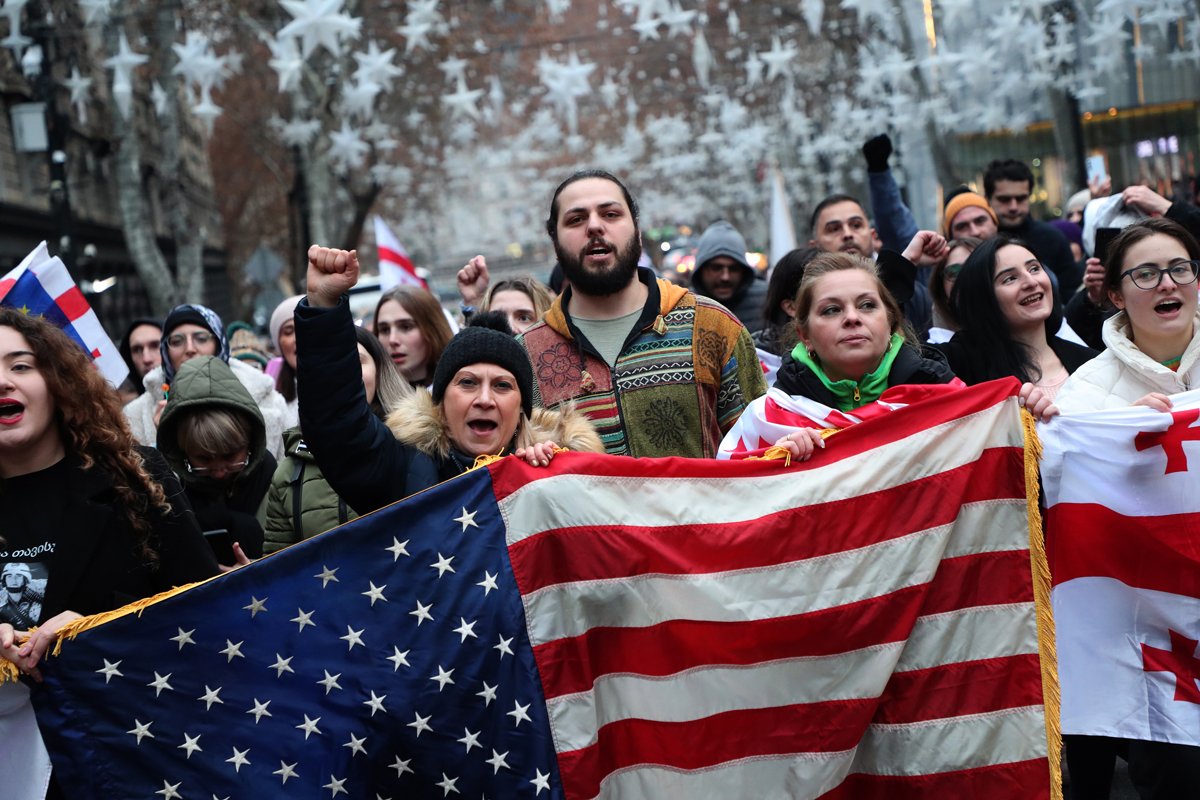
1123 374
140 410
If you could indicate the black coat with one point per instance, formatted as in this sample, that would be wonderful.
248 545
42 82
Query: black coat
967 362
362 460
911 366
99 565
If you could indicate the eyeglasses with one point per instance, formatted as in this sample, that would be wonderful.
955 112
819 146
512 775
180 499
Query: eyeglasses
1147 277
200 338
235 467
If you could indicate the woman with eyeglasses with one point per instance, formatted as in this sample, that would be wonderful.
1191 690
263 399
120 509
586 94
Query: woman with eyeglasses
190 331
941 284
1152 350
90 521
1005 302
212 434
1153 342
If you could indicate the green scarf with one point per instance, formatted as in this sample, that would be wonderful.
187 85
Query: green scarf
847 393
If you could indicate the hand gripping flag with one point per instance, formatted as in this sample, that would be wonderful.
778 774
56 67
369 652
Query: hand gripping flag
1123 534
395 267
40 285
776 414
860 626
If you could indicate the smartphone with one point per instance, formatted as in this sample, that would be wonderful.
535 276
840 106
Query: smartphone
221 542
1104 237
1096 171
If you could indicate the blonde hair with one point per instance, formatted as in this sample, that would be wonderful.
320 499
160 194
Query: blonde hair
528 285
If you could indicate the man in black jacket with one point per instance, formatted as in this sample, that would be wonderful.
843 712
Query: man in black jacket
1007 184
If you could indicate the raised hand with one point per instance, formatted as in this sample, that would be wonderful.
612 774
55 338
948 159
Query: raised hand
331 273
473 281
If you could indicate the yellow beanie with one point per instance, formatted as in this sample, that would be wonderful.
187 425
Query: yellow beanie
965 200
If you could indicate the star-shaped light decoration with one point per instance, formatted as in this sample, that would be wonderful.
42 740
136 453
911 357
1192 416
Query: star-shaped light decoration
462 101
319 23
206 111
779 58
679 20
197 63
376 66
565 83
79 87
15 41
287 63
454 68
358 99
123 64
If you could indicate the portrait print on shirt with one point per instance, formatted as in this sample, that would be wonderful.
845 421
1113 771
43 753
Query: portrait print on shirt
22 591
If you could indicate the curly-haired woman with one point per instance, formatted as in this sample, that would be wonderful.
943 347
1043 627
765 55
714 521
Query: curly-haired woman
93 520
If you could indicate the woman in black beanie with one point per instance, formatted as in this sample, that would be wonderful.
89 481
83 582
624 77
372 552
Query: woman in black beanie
480 403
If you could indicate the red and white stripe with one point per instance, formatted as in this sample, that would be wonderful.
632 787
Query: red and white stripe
52 273
395 266
1123 536
859 626
776 414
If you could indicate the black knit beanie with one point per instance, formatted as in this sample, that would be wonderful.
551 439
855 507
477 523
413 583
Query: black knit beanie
476 345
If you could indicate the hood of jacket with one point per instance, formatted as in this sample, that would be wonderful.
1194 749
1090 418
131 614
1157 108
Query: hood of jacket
294 447
419 422
201 382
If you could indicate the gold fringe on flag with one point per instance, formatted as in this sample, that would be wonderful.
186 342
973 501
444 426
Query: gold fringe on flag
777 452
1047 648
9 671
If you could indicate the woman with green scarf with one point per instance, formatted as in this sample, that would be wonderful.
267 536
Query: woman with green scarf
854 344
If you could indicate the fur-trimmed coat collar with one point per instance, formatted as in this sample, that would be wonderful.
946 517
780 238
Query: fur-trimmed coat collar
420 423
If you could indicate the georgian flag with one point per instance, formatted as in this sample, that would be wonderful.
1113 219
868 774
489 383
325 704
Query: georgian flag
1123 533
395 267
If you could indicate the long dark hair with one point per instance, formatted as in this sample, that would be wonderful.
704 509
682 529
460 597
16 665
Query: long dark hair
390 386
91 422
974 303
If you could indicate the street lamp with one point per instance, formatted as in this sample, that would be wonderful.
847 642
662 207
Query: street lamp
39 126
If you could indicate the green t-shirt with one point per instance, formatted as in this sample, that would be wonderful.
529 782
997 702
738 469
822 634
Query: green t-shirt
607 335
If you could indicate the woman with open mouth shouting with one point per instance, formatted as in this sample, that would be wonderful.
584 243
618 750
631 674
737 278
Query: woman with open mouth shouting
1010 318
1152 350
480 402
1153 343
90 520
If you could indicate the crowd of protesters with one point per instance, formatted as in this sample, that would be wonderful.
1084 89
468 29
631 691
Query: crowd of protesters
220 456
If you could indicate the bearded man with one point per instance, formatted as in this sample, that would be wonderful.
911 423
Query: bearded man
658 370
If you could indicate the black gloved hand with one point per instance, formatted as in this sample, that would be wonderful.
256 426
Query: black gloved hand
878 150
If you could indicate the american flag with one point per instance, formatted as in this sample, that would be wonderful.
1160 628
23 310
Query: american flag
862 625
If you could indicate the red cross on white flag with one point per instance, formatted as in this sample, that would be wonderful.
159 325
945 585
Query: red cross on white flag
1123 536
